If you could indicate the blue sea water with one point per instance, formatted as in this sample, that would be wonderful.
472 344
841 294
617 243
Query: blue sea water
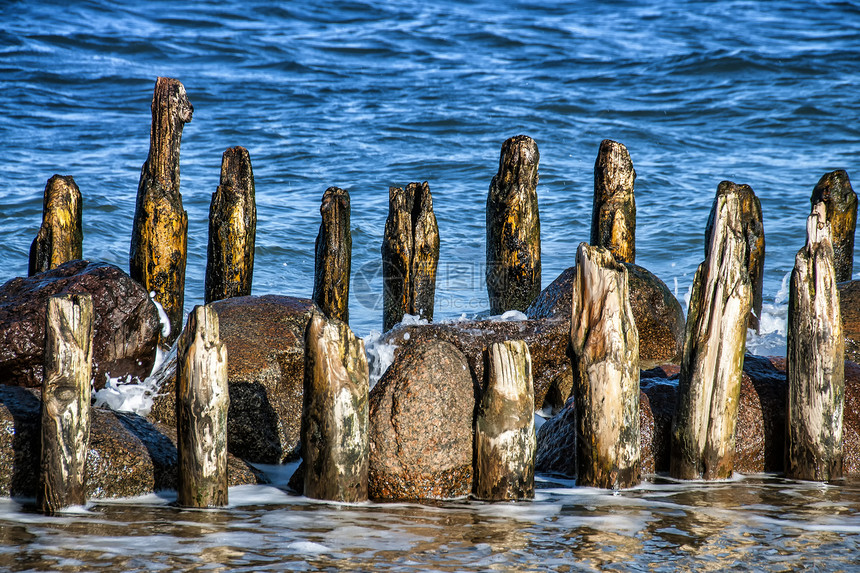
367 94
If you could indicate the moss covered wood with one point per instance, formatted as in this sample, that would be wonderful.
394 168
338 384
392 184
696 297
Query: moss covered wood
613 215
60 237
333 255
840 200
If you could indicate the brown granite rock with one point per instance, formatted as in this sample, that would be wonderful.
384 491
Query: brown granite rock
128 455
849 304
760 432
658 314
264 336
421 425
125 329
548 340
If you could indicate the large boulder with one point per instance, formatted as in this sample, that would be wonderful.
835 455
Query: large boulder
760 431
547 338
421 425
264 336
125 329
849 304
658 314
128 455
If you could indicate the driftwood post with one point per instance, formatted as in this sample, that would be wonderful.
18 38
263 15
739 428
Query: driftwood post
513 228
335 416
752 228
202 400
60 238
834 190
66 402
815 360
613 216
605 346
160 233
333 258
505 442
703 428
232 229
410 254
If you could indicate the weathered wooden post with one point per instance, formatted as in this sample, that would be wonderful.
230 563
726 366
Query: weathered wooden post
703 428
505 442
834 190
513 228
232 229
613 216
753 231
605 346
60 238
410 254
335 416
815 360
66 402
333 255
202 400
160 233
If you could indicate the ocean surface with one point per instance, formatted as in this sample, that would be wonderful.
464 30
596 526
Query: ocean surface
364 95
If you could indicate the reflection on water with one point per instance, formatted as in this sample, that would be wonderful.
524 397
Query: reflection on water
761 522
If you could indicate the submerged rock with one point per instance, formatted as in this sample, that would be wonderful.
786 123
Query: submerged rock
658 314
128 455
421 416
125 328
760 430
264 336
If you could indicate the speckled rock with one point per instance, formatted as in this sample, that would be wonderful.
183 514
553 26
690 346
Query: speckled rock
760 432
264 336
849 304
125 329
658 314
128 455
421 425
548 340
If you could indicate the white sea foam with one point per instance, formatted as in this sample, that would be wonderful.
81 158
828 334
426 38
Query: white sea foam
771 338
380 355
162 316
509 316
129 394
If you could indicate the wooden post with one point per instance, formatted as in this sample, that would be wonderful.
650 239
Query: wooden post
613 216
333 255
505 442
232 229
513 228
60 238
752 228
160 233
834 190
202 400
335 417
815 360
605 346
66 402
410 254
703 428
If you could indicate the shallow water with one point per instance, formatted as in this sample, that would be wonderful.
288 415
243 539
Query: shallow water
364 95
750 523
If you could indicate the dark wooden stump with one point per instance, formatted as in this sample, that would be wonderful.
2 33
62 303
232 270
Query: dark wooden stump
160 233
505 441
513 228
60 238
202 401
605 346
232 229
834 190
703 428
410 254
66 402
613 217
335 416
815 362
333 258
